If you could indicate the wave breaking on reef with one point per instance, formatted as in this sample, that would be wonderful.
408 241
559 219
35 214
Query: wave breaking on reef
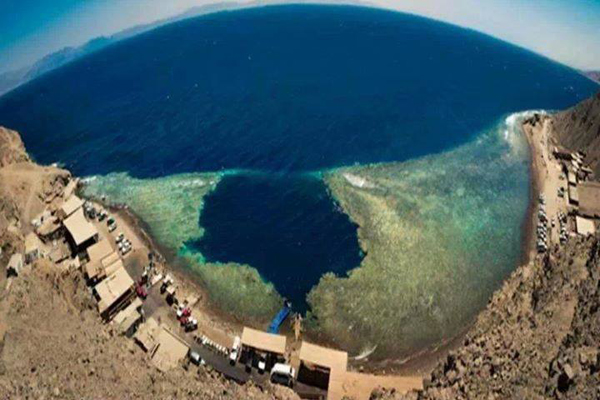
440 233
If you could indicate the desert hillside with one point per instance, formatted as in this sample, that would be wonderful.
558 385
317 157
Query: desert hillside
53 344
538 337
579 129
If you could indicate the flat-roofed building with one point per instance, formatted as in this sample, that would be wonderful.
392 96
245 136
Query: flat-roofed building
127 320
317 364
589 199
573 195
71 205
584 226
170 350
96 254
258 345
572 177
359 386
147 335
114 292
80 232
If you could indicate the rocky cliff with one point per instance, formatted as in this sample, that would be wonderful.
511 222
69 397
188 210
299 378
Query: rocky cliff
537 339
579 129
539 336
52 342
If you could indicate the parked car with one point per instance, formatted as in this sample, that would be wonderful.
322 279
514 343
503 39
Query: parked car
234 354
283 374
262 364
195 358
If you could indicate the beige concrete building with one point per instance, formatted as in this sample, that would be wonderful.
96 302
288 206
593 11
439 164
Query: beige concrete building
33 248
80 232
263 341
259 345
317 364
584 226
73 204
169 351
589 199
96 254
127 320
147 335
113 292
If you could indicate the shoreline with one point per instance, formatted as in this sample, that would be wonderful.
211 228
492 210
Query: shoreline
535 188
185 279
421 361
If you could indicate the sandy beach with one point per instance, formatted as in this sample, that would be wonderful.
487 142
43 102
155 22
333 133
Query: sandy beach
544 179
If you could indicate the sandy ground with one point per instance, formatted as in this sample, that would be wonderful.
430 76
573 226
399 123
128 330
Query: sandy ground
546 179
223 328
209 322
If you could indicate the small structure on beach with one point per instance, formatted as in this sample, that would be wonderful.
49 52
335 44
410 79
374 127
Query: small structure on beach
80 232
259 345
317 364
169 350
96 254
127 320
73 204
147 335
584 226
114 292
589 199
573 195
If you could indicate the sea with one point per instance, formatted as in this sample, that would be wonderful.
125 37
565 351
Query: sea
270 98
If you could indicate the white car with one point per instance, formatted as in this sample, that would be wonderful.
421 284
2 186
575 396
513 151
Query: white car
283 374
262 365
235 350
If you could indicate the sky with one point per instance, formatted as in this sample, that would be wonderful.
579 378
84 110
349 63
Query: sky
563 30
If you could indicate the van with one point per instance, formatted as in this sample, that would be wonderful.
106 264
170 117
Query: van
283 374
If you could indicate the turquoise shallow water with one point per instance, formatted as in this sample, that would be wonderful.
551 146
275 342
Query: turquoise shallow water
264 100
440 234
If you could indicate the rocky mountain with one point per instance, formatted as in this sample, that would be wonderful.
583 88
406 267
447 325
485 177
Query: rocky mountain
12 79
539 336
593 75
579 129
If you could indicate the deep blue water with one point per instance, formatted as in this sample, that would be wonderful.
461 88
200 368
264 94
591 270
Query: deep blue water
281 90
254 219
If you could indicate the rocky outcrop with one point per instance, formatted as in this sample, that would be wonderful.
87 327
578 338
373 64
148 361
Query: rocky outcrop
56 347
537 339
53 345
579 129
539 336
12 149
